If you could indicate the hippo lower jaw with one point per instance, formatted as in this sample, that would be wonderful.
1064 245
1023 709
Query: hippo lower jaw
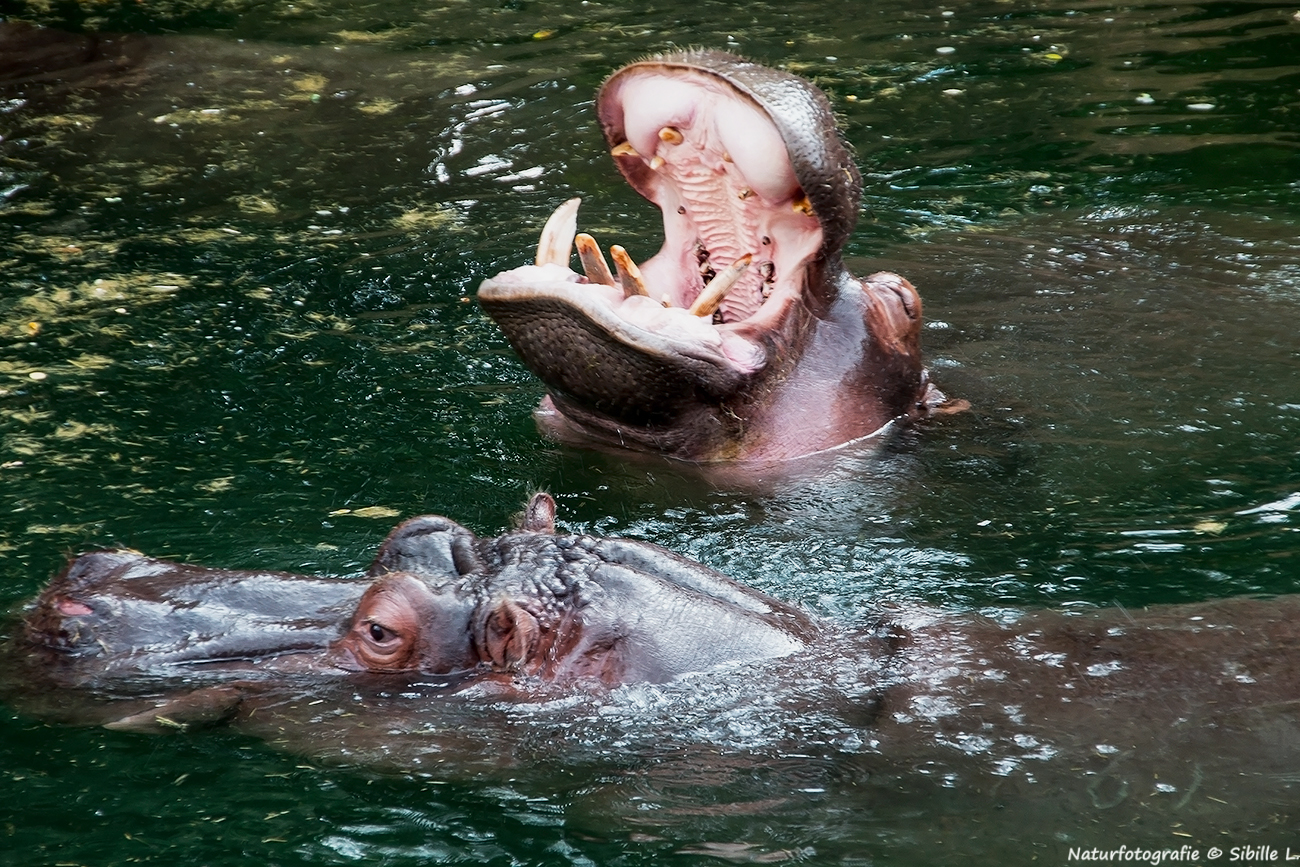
695 352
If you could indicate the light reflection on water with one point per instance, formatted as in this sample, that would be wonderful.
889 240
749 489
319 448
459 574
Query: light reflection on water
249 269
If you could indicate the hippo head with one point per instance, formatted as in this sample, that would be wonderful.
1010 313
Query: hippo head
558 607
742 338
440 602
408 624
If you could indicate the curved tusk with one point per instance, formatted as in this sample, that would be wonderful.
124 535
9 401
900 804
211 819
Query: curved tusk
556 244
629 275
593 261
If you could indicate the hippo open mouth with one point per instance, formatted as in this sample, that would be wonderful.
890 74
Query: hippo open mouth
699 352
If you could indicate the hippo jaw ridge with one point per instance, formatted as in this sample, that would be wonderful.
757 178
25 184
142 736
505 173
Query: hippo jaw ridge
757 194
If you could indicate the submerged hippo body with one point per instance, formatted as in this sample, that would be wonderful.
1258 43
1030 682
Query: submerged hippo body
575 611
744 338
459 655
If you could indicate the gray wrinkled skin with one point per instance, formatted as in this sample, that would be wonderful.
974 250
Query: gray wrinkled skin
610 611
1104 701
661 614
117 612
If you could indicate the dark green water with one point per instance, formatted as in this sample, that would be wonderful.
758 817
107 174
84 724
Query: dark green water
236 327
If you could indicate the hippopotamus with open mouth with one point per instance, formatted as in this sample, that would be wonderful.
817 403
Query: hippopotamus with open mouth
743 338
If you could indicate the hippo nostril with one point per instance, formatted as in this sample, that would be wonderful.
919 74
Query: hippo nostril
72 608
910 304
907 296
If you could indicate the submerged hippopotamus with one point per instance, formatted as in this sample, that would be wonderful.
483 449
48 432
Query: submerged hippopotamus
557 609
536 610
476 658
743 338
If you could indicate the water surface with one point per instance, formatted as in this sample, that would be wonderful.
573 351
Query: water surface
236 282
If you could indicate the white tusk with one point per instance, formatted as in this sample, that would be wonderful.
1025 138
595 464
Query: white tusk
556 244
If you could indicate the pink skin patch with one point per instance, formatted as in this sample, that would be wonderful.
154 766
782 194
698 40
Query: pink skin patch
719 171
72 608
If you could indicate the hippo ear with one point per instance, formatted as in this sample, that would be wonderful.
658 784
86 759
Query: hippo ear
429 546
539 514
510 636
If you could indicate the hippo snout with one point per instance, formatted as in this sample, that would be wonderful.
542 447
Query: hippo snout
70 614
120 610
64 624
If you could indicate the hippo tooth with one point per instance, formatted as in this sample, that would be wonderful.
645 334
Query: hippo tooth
556 244
671 135
719 286
629 275
593 261
802 205
623 149
657 163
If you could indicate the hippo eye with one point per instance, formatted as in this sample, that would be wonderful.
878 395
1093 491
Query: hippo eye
380 634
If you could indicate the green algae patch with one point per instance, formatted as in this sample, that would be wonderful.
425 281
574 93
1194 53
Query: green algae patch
254 204
417 220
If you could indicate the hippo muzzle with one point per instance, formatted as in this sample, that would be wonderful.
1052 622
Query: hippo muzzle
743 338
119 612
